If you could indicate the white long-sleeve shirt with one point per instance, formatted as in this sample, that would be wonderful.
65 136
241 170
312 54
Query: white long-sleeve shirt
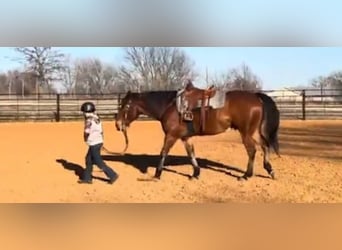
93 127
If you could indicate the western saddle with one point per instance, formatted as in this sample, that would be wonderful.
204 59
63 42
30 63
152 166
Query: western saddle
193 98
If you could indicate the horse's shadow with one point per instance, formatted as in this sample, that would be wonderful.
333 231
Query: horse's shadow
142 162
78 170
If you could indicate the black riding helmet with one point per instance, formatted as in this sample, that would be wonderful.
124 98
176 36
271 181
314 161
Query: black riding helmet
88 107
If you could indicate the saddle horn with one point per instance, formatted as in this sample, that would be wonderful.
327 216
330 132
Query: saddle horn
189 85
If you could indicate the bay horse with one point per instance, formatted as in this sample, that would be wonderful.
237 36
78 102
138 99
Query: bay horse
254 115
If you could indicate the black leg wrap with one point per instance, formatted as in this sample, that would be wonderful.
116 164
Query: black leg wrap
269 169
190 128
196 173
158 173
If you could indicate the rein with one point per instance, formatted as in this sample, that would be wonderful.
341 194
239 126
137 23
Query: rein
111 152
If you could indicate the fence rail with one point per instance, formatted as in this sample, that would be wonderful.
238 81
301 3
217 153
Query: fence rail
57 107
61 107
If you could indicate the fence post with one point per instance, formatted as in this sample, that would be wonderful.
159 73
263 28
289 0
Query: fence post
58 108
303 105
17 115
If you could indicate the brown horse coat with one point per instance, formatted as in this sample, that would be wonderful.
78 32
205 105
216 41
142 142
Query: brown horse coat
254 115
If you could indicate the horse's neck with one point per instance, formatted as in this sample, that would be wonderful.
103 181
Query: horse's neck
151 113
157 110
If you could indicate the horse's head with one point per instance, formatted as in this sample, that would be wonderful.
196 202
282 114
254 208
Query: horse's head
153 104
128 111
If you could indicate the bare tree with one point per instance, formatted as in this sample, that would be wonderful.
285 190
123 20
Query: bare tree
24 83
91 76
16 82
4 84
336 81
241 78
69 77
155 68
219 80
320 82
332 81
9 81
45 63
69 80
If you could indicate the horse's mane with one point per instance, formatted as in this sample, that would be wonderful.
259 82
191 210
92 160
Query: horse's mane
157 101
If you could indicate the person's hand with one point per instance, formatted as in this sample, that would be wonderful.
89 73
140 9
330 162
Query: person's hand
85 136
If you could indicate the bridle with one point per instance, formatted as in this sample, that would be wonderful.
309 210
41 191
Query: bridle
125 112
123 122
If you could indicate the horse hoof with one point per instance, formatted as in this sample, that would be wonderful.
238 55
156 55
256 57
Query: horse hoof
194 177
242 178
272 176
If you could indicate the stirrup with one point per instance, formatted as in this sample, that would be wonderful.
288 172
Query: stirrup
188 116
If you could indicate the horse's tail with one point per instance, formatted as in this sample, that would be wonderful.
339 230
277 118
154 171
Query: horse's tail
270 122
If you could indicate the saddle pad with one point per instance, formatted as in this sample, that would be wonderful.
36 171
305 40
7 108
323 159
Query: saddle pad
179 104
217 101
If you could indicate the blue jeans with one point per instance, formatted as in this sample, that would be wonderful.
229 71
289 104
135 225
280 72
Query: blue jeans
94 157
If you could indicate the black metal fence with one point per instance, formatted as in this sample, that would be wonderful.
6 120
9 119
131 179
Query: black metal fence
55 107
308 103
293 104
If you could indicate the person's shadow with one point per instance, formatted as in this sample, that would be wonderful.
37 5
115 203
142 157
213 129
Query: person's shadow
78 170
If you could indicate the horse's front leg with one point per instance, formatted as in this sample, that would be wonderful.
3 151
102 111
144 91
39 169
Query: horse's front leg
169 141
189 147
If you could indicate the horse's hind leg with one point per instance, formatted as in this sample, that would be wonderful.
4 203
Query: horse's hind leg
169 141
251 151
189 147
267 164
